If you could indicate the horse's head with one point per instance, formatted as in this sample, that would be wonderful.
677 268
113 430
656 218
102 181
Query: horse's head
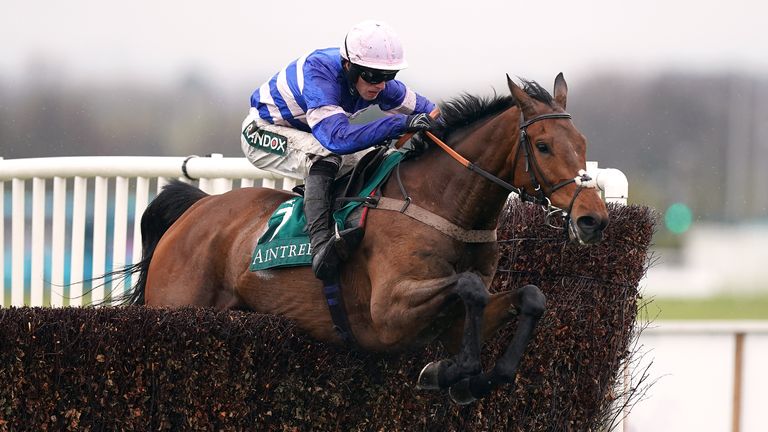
550 161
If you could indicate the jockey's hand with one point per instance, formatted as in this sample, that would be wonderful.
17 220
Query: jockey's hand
419 122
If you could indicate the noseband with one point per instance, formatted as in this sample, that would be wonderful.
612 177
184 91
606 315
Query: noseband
582 180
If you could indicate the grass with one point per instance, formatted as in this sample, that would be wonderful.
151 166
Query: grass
722 307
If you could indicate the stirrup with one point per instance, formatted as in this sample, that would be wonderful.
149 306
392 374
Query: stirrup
347 240
325 262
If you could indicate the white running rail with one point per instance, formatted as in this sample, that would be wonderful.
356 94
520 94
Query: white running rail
89 224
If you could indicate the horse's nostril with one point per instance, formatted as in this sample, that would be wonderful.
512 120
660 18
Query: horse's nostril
589 224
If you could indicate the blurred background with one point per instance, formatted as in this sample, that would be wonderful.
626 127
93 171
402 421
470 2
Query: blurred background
674 94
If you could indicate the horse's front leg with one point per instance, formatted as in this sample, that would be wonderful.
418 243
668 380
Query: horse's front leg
445 373
530 304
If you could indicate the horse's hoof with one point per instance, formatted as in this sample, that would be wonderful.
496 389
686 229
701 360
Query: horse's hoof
428 378
460 393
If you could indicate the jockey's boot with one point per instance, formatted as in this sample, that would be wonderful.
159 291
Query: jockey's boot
318 210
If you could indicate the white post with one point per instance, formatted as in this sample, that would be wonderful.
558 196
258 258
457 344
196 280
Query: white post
120 232
58 240
615 185
288 183
142 199
219 185
38 242
99 250
17 243
161 182
77 256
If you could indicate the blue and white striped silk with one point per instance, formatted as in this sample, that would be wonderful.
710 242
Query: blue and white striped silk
312 94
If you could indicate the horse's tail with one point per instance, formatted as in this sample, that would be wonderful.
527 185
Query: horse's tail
175 199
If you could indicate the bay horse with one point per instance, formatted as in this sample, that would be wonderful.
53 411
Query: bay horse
409 282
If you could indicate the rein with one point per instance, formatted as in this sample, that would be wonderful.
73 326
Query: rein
582 180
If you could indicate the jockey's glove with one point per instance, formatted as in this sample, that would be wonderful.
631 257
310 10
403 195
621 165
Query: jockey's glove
419 122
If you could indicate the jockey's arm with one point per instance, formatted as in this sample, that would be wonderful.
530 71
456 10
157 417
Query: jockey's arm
331 126
337 134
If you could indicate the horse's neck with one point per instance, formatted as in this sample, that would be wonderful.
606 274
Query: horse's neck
458 194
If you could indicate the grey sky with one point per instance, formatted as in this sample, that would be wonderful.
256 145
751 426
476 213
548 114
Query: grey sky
459 48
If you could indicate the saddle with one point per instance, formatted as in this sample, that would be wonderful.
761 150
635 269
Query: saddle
286 241
348 186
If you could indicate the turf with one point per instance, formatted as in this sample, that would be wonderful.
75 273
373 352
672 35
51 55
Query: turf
722 307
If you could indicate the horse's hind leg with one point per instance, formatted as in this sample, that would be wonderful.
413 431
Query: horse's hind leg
445 373
530 303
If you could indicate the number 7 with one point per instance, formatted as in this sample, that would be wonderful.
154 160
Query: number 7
286 212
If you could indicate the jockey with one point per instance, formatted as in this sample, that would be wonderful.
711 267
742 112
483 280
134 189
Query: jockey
298 125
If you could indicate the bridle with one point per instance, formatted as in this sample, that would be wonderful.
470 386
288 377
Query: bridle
540 197
583 180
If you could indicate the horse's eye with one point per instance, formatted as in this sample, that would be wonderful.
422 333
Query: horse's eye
542 146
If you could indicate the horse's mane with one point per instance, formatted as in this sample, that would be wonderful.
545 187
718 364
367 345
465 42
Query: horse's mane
467 109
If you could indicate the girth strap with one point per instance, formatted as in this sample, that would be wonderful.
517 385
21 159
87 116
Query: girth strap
332 292
441 224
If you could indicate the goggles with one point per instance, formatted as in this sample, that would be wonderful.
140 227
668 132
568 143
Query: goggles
376 76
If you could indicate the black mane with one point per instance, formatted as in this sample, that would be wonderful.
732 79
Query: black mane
467 109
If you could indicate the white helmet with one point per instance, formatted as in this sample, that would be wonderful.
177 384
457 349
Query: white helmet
373 44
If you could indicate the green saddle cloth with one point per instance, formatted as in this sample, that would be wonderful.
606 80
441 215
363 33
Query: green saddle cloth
286 241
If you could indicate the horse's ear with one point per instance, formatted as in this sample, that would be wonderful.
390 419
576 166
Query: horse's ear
561 90
521 97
